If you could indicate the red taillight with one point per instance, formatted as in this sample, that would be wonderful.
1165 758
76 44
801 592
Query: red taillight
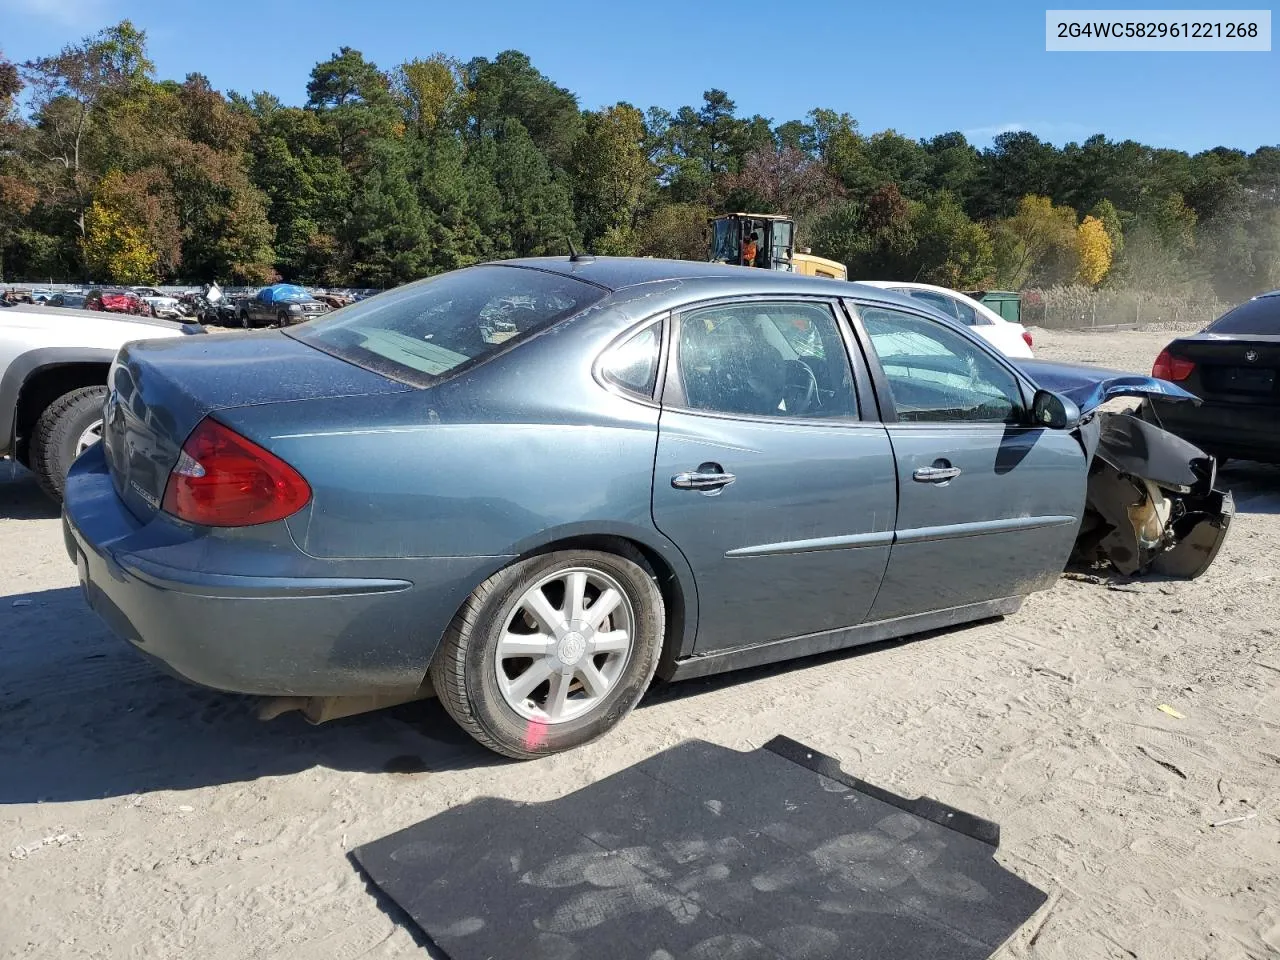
1026 338
1170 367
223 480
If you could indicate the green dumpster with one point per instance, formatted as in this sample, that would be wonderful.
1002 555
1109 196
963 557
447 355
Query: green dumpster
1004 302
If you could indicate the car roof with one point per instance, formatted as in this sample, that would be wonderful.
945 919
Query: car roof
619 273
908 285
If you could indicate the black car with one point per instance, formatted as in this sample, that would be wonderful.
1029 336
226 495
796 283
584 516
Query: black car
75 301
1233 365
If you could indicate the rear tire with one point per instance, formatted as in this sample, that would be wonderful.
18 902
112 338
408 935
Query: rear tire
466 668
62 433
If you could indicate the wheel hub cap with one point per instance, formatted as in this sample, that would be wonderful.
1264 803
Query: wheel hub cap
571 648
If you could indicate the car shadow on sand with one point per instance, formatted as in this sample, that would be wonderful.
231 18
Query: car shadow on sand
1255 487
20 497
84 716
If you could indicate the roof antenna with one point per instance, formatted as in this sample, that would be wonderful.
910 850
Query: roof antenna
574 255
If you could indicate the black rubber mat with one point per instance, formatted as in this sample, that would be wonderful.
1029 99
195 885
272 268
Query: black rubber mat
705 853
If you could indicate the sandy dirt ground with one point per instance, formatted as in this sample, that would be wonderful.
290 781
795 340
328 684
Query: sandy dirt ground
140 817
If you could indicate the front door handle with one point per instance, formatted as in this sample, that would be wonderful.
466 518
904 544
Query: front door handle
935 474
706 481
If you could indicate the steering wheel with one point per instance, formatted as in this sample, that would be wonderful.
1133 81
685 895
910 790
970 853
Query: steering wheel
801 392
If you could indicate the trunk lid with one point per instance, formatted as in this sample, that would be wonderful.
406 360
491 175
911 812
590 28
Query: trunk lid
1090 387
1235 368
160 389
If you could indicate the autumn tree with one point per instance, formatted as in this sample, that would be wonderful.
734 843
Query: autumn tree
784 180
1037 245
431 92
1093 247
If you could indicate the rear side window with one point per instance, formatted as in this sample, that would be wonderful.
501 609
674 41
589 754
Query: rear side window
633 364
426 330
1260 316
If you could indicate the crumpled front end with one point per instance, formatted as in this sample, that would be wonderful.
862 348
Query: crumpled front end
1151 504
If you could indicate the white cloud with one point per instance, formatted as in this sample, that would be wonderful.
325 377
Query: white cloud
990 132
77 13
1052 130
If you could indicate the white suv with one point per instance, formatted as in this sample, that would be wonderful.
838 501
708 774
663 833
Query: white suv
53 376
1008 337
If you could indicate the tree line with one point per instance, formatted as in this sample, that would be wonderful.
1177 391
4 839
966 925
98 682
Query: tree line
387 175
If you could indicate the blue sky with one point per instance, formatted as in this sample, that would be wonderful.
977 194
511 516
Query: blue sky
920 68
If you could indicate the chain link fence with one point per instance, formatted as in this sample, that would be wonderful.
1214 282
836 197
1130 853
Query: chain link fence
1082 308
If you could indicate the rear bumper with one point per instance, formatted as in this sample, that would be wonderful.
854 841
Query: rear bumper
283 634
1224 430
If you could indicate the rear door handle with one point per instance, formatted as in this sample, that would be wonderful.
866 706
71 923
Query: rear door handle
696 480
935 474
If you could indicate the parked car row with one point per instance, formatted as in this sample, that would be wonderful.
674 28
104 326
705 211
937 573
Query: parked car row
280 304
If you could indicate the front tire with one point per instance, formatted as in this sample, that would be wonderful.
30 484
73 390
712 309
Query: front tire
68 427
553 651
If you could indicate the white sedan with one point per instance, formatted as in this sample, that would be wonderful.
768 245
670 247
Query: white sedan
1008 337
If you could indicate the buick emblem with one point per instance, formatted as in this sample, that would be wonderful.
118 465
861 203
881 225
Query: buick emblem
1251 355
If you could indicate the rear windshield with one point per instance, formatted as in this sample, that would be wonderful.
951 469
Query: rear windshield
425 330
1259 316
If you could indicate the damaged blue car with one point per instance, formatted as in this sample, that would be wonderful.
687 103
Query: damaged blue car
532 486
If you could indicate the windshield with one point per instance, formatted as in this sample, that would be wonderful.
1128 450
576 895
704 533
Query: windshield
427 329
726 241
1259 316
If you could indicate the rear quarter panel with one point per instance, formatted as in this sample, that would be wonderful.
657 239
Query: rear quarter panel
523 450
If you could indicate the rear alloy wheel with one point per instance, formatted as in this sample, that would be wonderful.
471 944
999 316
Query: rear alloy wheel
553 651
68 427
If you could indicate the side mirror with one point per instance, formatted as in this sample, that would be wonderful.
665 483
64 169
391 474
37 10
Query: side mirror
1054 411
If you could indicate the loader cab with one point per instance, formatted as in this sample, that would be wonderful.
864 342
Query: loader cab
775 248
773 245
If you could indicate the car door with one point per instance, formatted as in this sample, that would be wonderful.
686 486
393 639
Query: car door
779 495
988 505
262 305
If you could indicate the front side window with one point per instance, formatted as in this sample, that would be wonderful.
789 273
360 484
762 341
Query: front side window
425 330
765 359
936 374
